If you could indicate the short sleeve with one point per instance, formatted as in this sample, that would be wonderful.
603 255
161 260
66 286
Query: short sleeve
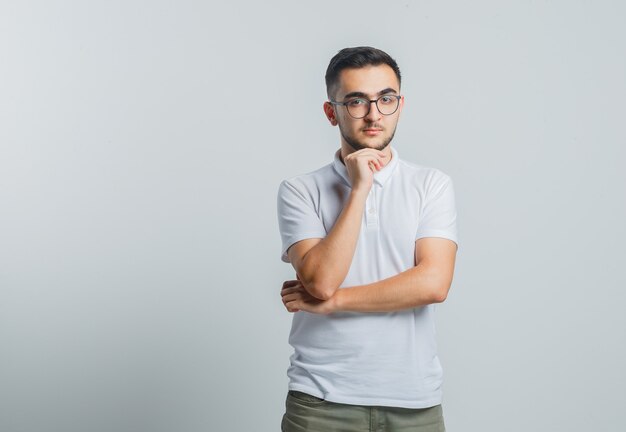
297 218
438 215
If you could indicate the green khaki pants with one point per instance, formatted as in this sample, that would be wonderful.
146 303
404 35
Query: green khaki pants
306 413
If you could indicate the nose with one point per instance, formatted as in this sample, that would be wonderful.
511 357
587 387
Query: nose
373 114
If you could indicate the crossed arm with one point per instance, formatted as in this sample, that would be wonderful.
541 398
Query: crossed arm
425 283
322 264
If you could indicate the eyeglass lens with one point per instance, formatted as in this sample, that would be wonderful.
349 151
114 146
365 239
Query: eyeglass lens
360 107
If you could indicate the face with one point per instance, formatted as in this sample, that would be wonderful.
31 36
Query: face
375 130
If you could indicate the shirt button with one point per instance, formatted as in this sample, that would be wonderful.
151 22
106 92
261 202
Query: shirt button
372 210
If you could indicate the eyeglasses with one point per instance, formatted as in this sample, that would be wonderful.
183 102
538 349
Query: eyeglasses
360 107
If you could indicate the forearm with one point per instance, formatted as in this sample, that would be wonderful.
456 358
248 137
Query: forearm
417 286
325 266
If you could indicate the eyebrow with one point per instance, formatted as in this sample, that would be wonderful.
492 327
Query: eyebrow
363 95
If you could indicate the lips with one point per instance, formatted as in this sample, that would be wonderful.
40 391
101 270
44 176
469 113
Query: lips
373 127
372 132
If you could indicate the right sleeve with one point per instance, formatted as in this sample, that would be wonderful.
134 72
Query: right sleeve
297 219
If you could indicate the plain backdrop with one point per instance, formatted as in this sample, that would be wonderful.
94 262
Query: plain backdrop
141 147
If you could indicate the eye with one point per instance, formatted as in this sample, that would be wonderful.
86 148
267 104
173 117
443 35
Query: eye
386 99
357 102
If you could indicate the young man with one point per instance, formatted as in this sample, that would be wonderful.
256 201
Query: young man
373 241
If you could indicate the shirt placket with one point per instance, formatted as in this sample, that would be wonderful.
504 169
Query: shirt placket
371 208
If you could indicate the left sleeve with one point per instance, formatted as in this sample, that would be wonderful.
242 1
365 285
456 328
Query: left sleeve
438 215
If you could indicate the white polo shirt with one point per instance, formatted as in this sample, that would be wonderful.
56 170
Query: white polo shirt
385 359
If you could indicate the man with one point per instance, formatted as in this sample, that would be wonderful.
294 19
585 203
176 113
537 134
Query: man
373 241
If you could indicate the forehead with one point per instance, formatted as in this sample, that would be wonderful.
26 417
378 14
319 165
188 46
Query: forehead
369 80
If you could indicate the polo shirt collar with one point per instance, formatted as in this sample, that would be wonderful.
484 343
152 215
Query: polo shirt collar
380 177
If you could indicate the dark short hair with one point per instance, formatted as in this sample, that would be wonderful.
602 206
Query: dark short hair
355 58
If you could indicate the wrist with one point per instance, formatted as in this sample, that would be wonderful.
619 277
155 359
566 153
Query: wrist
360 193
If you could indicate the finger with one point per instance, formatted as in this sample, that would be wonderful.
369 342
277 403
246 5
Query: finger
291 297
289 283
291 293
363 160
292 306
285 291
374 165
366 153
367 159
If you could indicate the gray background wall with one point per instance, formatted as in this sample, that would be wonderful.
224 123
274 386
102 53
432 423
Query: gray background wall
141 147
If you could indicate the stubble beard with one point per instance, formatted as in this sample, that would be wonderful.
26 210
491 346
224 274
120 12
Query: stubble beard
356 145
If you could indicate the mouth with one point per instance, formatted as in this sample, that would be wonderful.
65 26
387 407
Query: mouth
372 131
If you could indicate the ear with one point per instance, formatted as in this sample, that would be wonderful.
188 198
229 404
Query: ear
330 112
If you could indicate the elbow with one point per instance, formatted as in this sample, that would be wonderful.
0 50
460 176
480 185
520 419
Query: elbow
322 291
440 293
320 288
439 296
440 286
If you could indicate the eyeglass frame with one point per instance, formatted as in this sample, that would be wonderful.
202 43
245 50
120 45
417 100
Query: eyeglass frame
369 107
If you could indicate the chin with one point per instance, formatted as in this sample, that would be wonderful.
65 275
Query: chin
380 145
